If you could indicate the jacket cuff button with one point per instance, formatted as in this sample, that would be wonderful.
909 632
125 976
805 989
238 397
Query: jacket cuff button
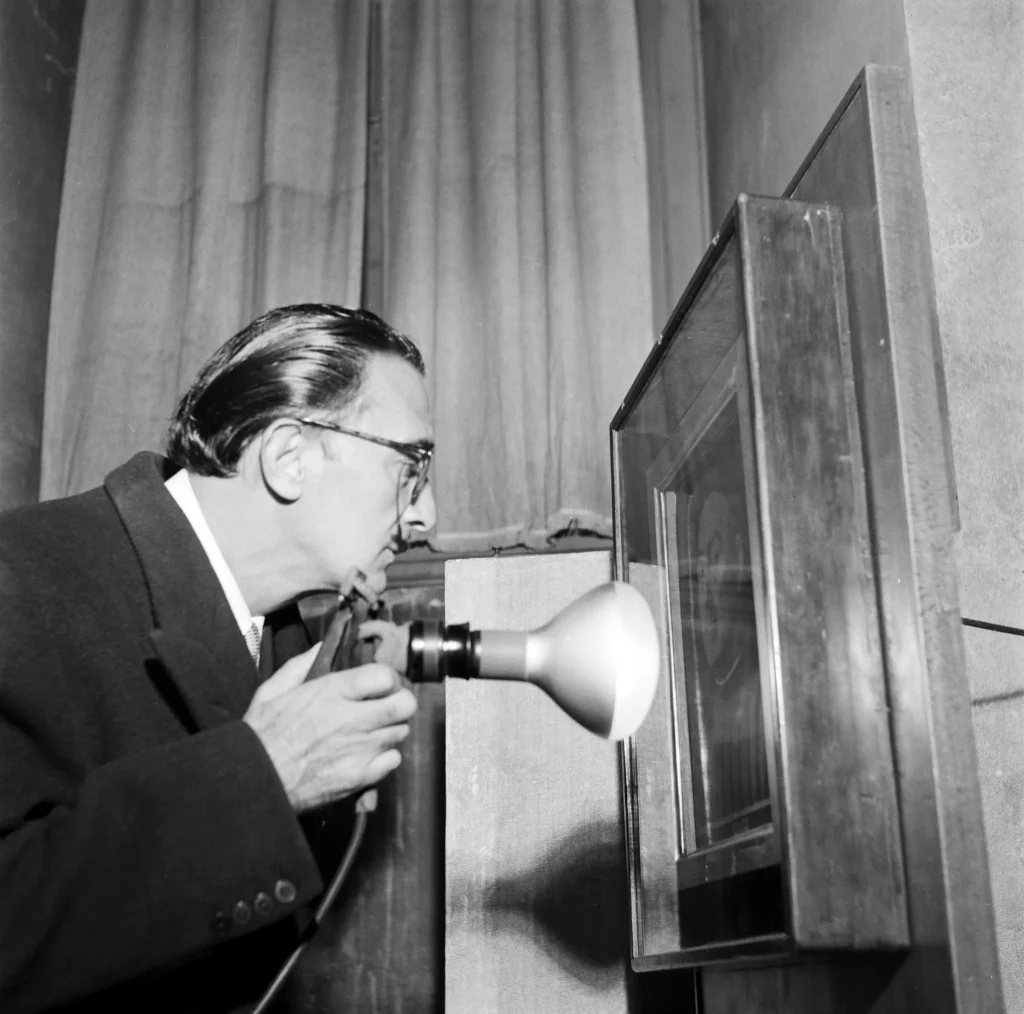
284 891
242 913
263 904
220 924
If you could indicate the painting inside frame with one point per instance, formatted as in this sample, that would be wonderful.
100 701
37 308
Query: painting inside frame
704 545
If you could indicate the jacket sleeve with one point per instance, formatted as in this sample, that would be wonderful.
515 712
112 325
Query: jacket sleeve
132 866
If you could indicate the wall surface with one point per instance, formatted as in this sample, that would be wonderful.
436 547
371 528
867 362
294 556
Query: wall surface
968 78
38 51
774 70
536 907
536 896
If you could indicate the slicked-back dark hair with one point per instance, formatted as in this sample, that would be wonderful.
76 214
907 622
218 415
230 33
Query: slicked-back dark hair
290 362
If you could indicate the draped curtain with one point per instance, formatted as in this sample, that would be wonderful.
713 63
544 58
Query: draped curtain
517 249
217 167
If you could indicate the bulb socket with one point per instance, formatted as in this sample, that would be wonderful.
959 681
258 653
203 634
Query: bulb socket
438 651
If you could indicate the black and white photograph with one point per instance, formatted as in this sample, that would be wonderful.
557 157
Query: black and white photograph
511 506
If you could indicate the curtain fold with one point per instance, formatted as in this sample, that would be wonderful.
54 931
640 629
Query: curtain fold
517 250
216 168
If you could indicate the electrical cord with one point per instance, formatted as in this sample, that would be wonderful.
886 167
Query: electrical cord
358 830
999 628
339 639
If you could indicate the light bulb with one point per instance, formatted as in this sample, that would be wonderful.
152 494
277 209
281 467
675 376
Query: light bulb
598 659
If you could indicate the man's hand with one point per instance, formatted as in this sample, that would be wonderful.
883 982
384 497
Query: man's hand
334 736
392 642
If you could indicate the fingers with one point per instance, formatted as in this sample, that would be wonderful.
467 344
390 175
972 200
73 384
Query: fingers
382 765
391 736
377 689
375 771
382 712
367 681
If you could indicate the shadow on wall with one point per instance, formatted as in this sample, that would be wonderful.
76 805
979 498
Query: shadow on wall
574 901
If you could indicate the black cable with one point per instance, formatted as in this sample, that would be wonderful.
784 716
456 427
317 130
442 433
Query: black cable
999 628
1009 695
358 830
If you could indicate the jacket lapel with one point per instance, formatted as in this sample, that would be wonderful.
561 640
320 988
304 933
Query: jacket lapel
193 672
195 637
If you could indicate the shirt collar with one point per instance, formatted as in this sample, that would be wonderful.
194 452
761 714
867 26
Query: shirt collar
181 490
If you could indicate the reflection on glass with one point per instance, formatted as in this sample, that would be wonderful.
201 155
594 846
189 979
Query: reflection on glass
706 536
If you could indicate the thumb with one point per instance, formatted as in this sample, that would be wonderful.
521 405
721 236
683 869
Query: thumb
393 642
369 629
288 677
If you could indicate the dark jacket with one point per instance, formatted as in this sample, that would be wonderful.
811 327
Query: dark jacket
140 819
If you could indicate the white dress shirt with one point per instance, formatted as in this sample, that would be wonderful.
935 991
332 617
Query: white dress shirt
180 488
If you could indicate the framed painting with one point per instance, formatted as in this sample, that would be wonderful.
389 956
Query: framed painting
741 514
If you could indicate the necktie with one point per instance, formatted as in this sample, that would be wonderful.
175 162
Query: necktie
252 640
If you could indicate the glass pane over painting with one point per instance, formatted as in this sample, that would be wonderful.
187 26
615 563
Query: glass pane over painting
687 534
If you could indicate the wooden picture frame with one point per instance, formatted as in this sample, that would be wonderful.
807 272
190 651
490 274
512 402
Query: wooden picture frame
741 513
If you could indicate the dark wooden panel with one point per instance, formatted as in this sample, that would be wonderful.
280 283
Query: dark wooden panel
839 812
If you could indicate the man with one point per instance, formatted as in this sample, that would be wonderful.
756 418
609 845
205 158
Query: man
151 856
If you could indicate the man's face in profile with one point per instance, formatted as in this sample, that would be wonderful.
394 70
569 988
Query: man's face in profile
356 506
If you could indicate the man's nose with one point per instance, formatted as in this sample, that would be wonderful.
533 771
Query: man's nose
421 516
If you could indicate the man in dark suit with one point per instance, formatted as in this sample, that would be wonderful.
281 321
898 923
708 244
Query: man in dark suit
152 765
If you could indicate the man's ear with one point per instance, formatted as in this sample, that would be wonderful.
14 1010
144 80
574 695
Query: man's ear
284 458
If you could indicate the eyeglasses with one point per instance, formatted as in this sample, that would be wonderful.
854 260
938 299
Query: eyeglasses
418 454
